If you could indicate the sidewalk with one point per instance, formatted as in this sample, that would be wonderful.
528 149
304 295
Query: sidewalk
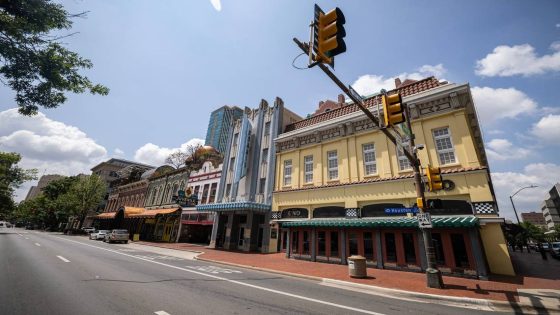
498 288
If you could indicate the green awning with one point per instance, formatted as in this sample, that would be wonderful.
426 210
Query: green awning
402 222
234 206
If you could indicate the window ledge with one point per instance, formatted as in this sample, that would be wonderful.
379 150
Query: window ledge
333 181
308 184
371 176
450 165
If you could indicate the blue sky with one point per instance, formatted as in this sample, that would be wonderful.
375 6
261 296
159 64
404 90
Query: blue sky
169 65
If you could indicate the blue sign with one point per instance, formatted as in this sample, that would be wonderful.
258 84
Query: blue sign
401 210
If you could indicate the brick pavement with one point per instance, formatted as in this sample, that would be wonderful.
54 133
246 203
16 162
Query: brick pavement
499 288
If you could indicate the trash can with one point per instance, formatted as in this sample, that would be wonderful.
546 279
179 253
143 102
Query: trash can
357 266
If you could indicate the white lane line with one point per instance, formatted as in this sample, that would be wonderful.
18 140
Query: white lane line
359 310
162 313
27 238
38 244
63 259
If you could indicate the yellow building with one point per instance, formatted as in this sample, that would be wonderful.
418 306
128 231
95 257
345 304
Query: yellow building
342 188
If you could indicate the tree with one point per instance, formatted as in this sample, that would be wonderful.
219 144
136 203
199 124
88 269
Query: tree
11 178
34 62
84 195
177 158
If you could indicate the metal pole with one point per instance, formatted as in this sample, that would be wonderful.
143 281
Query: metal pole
433 275
434 278
515 211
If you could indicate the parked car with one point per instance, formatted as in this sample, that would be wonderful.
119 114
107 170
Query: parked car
545 246
3 225
99 235
88 230
555 249
30 226
117 236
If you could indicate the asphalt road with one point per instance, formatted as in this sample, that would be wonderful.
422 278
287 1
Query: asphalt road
48 273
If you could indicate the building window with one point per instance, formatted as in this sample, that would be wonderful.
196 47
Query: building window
308 162
264 157
333 164
231 164
370 167
444 146
213 192
404 163
368 245
409 248
287 172
235 138
353 243
334 244
205 193
262 185
228 189
460 251
321 243
267 128
390 247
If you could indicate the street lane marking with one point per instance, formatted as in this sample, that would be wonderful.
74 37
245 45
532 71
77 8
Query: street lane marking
162 313
213 269
27 238
359 310
38 244
63 259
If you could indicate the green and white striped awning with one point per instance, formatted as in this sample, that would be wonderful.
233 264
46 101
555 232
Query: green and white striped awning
402 222
233 206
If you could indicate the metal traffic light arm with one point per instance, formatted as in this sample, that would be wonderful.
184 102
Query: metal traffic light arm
357 100
433 274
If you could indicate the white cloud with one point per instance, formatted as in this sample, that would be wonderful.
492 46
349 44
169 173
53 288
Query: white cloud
558 25
507 61
217 4
50 146
548 129
493 104
543 175
502 149
371 83
155 155
118 152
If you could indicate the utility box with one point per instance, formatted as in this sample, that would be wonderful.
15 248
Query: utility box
357 266
135 237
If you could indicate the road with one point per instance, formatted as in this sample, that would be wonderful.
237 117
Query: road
49 273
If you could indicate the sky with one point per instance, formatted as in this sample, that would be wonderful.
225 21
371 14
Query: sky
169 65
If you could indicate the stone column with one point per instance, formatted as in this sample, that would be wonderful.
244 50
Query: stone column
342 246
313 244
215 227
288 243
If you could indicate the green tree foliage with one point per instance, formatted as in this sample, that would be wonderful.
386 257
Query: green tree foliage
33 61
11 177
85 195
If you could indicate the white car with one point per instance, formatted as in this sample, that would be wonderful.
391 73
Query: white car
99 235
88 229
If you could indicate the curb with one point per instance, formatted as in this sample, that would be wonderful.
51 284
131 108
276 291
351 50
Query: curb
461 302
470 303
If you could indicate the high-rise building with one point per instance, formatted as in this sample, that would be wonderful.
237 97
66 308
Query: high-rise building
220 125
551 207
34 191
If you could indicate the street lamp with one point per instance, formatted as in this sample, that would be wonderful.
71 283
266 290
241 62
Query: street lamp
513 205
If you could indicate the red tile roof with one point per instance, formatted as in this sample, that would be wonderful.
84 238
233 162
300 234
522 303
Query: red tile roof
384 179
404 90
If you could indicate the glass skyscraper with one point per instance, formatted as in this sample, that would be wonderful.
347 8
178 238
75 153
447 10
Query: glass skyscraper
220 125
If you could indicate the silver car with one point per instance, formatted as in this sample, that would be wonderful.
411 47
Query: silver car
99 235
116 236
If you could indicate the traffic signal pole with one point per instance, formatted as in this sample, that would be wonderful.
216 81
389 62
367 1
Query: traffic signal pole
434 279
433 275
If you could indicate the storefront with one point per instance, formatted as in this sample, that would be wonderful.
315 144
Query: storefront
142 224
389 243
239 225
196 226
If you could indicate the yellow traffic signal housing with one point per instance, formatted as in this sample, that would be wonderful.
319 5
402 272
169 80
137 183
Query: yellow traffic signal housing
393 110
329 33
434 178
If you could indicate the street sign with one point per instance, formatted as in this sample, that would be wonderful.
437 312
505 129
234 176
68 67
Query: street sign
401 210
424 220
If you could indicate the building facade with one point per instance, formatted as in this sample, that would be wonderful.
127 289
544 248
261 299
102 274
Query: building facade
342 188
535 218
35 191
203 184
219 126
242 209
551 207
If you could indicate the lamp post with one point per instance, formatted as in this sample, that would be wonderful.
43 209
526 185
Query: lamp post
513 205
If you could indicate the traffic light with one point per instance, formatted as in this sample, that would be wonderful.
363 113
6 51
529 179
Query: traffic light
392 109
434 178
328 35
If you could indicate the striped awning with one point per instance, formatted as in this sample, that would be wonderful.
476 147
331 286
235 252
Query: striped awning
232 206
402 222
